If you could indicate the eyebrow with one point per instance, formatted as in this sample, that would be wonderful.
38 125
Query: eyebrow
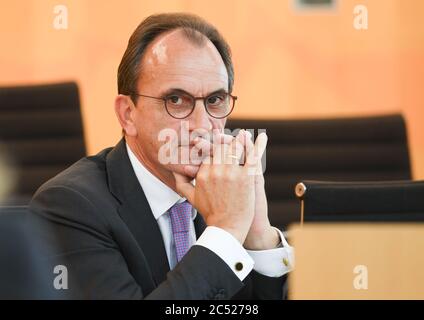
179 90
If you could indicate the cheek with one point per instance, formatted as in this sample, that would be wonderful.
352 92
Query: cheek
147 132
150 122
161 133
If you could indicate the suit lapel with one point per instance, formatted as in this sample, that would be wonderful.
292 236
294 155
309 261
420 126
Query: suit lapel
135 211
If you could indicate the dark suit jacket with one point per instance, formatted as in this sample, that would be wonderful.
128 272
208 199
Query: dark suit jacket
98 223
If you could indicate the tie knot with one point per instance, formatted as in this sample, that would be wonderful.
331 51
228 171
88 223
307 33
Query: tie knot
180 215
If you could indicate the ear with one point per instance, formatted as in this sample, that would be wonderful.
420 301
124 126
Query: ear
124 109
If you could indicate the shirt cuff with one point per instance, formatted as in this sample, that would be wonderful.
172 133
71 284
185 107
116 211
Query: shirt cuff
274 262
229 249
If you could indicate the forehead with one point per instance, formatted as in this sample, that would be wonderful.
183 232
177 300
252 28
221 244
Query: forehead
173 60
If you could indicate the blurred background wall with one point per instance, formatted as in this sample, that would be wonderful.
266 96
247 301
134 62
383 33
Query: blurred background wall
289 63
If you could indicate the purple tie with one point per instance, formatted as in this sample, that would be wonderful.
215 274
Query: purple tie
180 215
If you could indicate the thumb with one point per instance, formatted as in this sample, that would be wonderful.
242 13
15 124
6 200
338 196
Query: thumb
184 187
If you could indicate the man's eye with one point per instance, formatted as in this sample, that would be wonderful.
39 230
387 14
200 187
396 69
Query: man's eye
175 100
215 100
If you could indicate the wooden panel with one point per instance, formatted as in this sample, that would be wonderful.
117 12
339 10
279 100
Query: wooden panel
326 256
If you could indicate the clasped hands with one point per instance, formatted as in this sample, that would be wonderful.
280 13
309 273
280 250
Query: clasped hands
230 188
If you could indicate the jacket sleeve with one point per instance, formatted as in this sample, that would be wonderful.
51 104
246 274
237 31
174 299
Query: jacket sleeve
75 234
260 287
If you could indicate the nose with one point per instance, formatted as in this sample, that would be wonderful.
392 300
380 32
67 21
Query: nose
200 119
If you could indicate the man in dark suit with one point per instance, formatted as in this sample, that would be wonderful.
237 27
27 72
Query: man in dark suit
130 222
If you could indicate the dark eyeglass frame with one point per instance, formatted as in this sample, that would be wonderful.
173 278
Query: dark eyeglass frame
194 99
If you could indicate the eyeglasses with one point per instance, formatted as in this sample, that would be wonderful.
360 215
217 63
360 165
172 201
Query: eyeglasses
180 105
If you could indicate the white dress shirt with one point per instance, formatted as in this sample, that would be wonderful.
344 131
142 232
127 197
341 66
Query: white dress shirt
273 263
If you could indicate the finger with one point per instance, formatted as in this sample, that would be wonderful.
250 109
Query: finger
200 150
248 144
184 187
254 156
261 151
206 160
262 141
235 149
259 147
191 170
221 142
222 138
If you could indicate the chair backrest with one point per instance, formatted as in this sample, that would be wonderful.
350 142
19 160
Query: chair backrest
41 131
381 201
338 149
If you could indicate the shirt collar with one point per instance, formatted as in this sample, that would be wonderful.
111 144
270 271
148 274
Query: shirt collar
159 196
